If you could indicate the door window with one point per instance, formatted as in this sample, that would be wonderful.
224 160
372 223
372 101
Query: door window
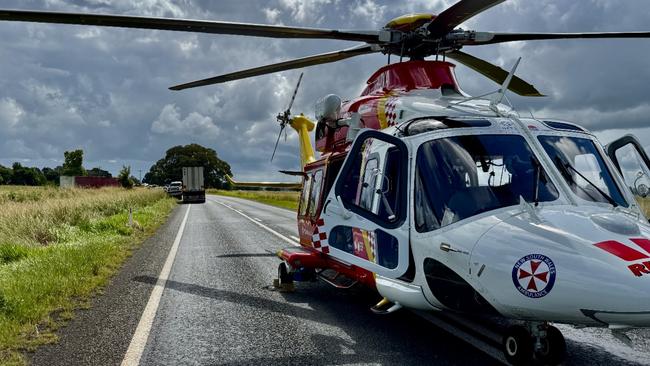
373 181
304 196
316 185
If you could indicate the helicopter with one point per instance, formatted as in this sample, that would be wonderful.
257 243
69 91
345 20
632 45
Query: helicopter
442 201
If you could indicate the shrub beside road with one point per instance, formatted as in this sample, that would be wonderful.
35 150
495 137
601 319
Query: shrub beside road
57 247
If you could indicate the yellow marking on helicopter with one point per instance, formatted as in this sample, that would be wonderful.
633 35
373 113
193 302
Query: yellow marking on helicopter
381 110
303 126
409 21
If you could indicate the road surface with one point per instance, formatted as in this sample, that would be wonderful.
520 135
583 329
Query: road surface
216 308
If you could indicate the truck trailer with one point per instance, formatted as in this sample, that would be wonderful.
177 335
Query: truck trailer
193 184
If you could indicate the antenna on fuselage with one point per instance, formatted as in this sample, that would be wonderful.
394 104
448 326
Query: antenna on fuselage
500 94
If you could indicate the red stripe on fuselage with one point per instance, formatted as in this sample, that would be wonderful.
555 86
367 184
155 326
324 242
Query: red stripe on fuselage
621 250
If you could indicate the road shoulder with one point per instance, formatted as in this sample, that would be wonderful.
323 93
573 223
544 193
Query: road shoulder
101 334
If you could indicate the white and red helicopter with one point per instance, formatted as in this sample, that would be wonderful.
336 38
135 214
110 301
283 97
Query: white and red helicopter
445 202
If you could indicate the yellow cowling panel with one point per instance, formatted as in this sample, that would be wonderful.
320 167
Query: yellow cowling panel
303 126
409 21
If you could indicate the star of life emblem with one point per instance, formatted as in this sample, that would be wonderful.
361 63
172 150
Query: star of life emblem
534 275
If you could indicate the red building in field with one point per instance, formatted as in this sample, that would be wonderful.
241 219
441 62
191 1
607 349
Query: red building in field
88 182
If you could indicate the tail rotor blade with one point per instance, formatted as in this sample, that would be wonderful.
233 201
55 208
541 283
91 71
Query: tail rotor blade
295 91
276 143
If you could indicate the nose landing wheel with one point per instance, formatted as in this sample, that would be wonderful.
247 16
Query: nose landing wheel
522 344
518 345
552 350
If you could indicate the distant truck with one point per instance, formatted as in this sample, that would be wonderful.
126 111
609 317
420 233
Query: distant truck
193 184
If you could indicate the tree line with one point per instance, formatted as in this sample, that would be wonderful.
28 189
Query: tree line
164 171
21 175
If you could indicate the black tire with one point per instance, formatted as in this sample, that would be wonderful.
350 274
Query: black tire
518 346
284 277
553 350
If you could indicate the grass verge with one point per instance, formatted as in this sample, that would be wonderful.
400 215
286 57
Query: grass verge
56 251
288 200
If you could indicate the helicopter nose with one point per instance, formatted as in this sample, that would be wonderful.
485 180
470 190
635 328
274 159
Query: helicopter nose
570 266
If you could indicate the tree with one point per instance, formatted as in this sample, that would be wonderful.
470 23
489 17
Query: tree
98 172
73 164
125 177
5 175
26 176
170 167
53 175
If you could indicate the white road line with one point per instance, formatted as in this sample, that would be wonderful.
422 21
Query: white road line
295 238
139 340
290 241
256 219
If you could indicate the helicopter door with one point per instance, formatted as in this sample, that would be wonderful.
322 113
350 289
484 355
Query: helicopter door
632 162
364 219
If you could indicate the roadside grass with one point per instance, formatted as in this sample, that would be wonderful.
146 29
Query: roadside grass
283 199
57 248
645 206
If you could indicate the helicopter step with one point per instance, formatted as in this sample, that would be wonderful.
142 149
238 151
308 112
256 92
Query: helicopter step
336 279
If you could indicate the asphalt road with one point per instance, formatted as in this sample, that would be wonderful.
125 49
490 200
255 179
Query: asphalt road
217 308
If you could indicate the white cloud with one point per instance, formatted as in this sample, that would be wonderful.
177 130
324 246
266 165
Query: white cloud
306 10
10 112
195 124
272 15
370 10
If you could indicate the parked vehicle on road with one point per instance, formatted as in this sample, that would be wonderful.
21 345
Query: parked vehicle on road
193 184
175 189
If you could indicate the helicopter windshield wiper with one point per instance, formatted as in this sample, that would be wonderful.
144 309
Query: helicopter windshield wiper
567 165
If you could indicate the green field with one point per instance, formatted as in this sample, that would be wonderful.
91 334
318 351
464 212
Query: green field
57 248
288 200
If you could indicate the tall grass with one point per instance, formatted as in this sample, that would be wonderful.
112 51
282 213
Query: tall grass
284 199
56 248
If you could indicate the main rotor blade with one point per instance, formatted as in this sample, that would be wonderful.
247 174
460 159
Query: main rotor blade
282 66
449 19
495 73
490 38
186 25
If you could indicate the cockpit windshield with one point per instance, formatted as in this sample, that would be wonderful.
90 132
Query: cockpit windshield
459 177
583 168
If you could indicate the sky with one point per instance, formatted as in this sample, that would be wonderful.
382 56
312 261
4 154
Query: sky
104 90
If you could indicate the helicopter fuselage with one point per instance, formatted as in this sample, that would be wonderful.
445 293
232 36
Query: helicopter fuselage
450 202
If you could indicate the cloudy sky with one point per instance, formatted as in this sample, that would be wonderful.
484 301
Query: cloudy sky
104 90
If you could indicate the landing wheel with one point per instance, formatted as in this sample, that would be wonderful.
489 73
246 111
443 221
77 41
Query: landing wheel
284 277
553 350
518 345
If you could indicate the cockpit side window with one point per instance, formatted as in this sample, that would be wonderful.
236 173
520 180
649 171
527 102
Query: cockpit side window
462 176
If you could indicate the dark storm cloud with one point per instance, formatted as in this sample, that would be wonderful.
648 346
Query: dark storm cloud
105 89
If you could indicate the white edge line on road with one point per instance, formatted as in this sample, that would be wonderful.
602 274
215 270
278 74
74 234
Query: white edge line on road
139 340
290 241
295 238
256 219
